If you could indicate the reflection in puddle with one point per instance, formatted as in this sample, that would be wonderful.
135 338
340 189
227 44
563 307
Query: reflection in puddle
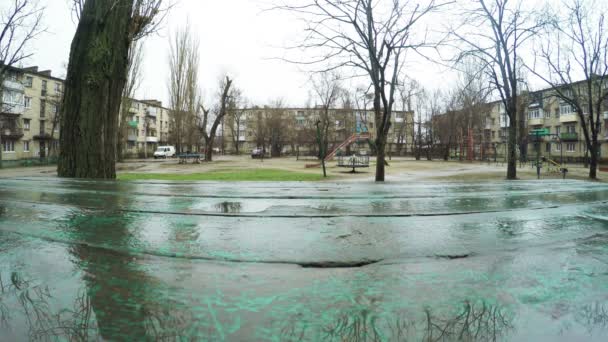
229 207
469 322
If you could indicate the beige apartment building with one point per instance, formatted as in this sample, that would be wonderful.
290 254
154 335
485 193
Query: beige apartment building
296 129
546 111
28 118
29 121
148 127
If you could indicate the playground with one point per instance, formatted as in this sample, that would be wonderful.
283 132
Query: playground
335 261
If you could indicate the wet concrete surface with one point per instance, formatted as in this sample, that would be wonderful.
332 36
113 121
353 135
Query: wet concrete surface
84 260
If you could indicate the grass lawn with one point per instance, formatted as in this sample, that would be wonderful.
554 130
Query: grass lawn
227 175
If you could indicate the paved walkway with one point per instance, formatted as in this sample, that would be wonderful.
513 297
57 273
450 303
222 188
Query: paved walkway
303 261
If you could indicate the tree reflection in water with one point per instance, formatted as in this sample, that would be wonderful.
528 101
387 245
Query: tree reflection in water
229 207
473 322
593 317
23 300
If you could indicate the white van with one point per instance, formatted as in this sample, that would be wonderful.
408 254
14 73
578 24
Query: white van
164 152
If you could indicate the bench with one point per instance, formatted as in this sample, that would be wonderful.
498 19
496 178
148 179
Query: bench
194 157
353 162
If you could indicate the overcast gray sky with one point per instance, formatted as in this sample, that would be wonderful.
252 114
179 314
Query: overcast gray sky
236 36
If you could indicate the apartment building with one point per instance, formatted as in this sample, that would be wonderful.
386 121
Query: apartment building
29 120
148 126
544 110
296 129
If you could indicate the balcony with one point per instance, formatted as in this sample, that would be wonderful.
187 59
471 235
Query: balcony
572 117
133 124
13 85
534 138
242 138
504 120
43 136
132 137
569 136
536 122
13 108
152 140
12 133
151 111
605 115
488 126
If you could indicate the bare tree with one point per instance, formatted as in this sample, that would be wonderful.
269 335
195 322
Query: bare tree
208 126
407 92
237 118
276 122
260 128
371 36
183 84
576 46
472 92
444 131
435 107
95 81
21 23
134 78
493 33
327 87
148 15
421 103
55 103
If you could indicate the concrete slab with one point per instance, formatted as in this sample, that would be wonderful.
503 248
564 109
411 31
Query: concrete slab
350 261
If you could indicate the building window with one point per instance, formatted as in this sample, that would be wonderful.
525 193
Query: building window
42 108
26 146
26 124
43 90
534 114
27 102
58 87
558 130
571 147
548 148
29 81
558 147
9 146
565 109
571 129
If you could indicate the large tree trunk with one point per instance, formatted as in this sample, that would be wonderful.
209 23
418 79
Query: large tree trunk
512 153
381 158
209 148
96 77
593 162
